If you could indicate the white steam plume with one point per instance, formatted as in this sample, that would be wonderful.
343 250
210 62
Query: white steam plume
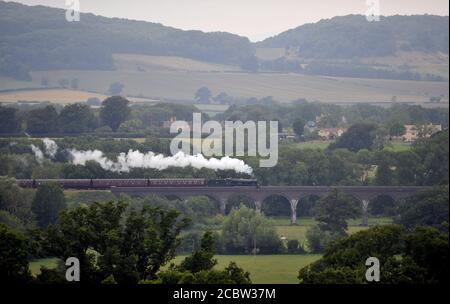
37 153
136 159
50 147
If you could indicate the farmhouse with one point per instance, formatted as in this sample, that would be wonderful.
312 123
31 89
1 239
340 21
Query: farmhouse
331 133
413 132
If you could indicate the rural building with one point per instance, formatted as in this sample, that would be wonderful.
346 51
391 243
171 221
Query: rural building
413 132
331 133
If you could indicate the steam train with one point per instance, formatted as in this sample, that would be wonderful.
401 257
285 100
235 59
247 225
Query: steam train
105 184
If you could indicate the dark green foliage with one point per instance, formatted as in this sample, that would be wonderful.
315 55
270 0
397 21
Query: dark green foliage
294 247
39 38
275 206
358 136
42 120
333 211
318 239
352 36
397 129
48 202
433 153
249 63
9 120
232 274
384 174
420 256
114 111
15 204
429 249
246 231
429 208
131 245
299 126
76 118
203 258
13 257
382 205
203 95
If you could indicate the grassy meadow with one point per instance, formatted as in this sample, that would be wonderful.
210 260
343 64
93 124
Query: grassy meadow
264 269
179 84
166 77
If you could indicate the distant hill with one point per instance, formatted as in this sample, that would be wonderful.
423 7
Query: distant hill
39 38
353 36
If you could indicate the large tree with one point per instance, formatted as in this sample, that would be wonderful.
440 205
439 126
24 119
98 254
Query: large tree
47 204
203 258
358 136
333 211
114 111
419 257
428 208
13 257
203 95
42 120
433 153
246 230
9 120
396 129
299 126
75 118
112 241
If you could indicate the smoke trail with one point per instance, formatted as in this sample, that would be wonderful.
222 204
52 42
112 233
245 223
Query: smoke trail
136 159
50 147
38 154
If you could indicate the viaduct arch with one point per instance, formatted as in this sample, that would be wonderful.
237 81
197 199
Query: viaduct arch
292 193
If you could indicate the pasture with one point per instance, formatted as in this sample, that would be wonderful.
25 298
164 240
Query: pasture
267 269
264 269
181 85
176 78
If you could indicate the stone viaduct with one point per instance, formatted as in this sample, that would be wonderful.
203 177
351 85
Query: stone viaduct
365 194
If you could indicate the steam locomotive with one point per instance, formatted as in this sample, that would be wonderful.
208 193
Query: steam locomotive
105 184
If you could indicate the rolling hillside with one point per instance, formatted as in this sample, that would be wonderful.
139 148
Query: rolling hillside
343 59
353 36
39 38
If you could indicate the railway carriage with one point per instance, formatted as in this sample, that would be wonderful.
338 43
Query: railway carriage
105 184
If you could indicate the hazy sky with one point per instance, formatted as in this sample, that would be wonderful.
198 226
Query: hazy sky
256 19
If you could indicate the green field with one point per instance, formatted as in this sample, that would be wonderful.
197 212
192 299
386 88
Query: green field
179 78
314 144
170 77
264 269
283 87
394 145
398 146
276 269
298 232
267 269
35 266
